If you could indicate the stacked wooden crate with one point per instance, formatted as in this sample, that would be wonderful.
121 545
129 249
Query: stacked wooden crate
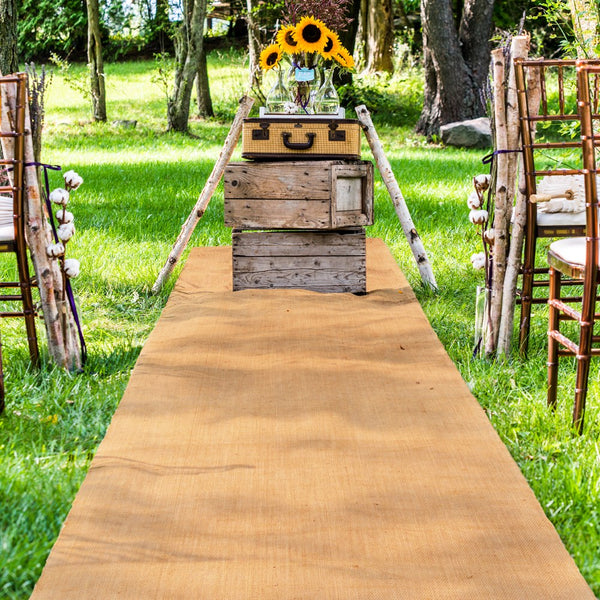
300 223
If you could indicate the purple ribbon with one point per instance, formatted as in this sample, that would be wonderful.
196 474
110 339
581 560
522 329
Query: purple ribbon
68 288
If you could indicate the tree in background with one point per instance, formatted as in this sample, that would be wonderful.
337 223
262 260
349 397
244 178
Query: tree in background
188 50
8 36
203 99
584 14
376 35
456 61
96 64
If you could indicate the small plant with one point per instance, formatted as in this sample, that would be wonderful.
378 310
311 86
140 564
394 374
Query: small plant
78 82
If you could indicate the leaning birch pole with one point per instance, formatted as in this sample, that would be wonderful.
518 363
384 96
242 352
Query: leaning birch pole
62 341
501 202
188 227
414 240
513 265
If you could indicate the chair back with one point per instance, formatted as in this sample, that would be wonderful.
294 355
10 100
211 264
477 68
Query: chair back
12 134
588 80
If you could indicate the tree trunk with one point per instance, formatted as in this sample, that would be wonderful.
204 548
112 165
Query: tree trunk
253 47
188 47
456 62
379 36
8 35
95 61
205 107
584 14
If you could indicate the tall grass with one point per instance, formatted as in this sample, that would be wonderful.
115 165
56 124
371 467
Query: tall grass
140 185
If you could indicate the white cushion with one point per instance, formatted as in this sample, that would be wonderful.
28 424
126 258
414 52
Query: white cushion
545 219
571 250
7 233
7 228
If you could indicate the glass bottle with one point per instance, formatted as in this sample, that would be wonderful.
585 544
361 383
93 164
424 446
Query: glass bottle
278 95
327 101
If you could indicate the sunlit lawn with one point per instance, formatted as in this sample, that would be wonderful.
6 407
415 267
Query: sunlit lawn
140 185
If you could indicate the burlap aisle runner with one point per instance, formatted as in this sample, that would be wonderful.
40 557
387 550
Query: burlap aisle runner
296 445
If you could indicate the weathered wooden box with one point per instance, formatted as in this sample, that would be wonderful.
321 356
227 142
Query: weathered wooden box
299 195
304 137
322 261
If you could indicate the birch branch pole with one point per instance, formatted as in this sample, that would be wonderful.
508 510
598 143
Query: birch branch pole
506 121
518 231
188 227
62 336
414 240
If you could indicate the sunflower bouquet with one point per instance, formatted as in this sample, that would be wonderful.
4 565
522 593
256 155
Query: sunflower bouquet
308 46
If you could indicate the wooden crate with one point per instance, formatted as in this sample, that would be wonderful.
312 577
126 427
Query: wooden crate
298 195
322 261
305 137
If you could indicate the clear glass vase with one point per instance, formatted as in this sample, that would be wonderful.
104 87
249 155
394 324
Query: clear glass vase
303 84
327 101
278 96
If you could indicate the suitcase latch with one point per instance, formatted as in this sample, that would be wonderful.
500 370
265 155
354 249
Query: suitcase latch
336 135
262 133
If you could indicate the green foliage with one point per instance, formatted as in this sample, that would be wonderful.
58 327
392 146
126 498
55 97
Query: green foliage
46 27
392 98
140 186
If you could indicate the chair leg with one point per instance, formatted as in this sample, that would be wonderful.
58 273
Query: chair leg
553 325
28 308
583 370
526 292
2 403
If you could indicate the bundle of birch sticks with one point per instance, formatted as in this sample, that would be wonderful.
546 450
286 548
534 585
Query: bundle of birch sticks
508 187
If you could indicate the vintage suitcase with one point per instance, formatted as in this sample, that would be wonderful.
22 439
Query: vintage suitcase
321 261
307 137
298 195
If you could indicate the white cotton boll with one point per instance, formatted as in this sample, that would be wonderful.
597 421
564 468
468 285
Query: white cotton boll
478 260
66 231
64 216
59 196
482 182
489 235
72 180
71 267
55 250
478 217
474 201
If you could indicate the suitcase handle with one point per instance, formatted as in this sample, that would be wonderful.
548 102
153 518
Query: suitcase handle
298 145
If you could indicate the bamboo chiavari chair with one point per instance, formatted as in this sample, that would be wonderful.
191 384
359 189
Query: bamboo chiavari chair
542 146
12 223
577 258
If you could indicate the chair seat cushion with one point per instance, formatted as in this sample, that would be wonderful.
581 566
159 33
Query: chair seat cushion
545 219
557 219
570 250
7 228
7 233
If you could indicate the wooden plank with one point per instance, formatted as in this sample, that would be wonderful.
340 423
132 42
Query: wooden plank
309 243
258 264
326 280
294 180
313 260
282 214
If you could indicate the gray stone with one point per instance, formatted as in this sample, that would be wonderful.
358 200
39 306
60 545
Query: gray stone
475 133
127 124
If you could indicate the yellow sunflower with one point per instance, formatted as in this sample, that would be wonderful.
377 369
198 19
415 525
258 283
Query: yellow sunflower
286 39
344 57
332 44
270 57
310 35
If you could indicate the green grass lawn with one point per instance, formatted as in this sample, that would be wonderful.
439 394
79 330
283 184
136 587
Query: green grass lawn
140 185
